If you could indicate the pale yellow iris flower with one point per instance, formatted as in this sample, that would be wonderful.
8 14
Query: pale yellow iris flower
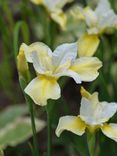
101 19
50 66
98 21
54 7
94 115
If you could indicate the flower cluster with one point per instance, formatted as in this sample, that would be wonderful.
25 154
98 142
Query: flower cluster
74 60
100 21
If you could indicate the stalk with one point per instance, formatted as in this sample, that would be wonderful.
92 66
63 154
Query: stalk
49 132
31 110
91 141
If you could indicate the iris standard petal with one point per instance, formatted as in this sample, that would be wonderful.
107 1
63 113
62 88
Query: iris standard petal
106 16
42 62
87 68
64 53
110 130
43 88
108 109
103 7
87 45
109 20
70 123
96 112
39 47
90 17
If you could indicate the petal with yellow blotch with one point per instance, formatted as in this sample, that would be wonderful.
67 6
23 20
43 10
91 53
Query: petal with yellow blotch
40 48
110 130
87 68
71 123
87 45
64 53
42 88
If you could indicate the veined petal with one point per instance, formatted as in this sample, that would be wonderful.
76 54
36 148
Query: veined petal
87 68
90 17
60 18
88 112
108 109
70 73
110 130
64 53
41 57
42 62
109 20
96 112
107 17
43 88
103 7
87 45
39 47
70 123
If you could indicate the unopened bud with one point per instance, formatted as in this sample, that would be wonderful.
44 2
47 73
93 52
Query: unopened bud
22 65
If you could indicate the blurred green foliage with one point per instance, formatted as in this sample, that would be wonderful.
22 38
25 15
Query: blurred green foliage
15 128
21 21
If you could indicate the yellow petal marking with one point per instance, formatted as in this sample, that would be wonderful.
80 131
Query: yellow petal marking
110 130
71 123
43 88
87 68
88 45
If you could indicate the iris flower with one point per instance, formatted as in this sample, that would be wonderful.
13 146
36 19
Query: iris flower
98 21
101 19
94 115
50 66
54 7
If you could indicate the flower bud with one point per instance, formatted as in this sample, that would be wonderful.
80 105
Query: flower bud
22 65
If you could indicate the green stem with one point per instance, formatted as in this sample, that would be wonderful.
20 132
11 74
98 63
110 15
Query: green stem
35 143
30 104
49 131
91 140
